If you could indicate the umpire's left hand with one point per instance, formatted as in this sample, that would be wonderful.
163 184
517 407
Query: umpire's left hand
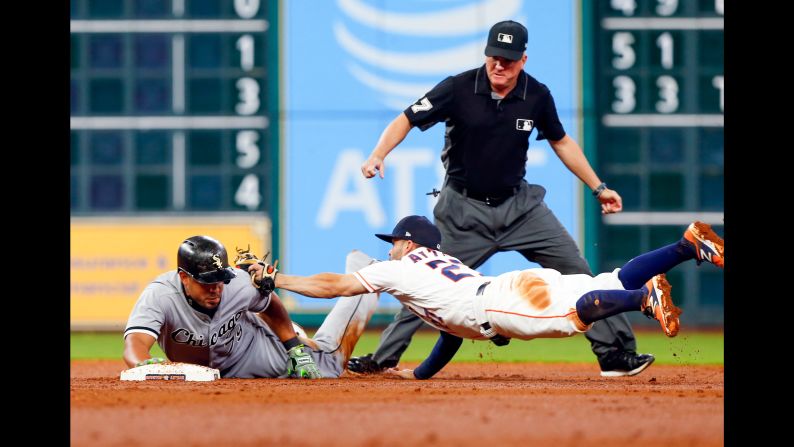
611 202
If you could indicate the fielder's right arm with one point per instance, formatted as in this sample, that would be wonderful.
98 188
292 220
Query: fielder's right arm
445 348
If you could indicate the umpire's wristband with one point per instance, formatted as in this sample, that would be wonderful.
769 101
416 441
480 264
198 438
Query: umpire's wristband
599 189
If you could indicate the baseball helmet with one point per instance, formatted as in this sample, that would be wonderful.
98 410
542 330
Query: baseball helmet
204 259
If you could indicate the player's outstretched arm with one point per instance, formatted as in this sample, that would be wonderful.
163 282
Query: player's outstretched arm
137 346
321 285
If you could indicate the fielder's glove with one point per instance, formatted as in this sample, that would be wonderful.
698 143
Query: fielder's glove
268 280
245 259
301 365
151 361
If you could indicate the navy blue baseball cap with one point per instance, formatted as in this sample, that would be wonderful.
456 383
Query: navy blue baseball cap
507 39
417 229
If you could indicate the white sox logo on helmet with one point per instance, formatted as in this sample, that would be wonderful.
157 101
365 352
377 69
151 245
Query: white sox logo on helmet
217 261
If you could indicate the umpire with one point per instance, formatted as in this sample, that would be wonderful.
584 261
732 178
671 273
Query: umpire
485 205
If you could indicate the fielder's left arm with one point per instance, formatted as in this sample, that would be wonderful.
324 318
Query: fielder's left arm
321 285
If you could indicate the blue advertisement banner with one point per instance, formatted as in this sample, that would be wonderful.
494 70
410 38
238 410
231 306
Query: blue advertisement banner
351 66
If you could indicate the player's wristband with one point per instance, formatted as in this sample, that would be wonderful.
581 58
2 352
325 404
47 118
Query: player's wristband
150 361
291 343
597 192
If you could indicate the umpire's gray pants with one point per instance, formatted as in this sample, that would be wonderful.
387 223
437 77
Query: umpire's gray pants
473 231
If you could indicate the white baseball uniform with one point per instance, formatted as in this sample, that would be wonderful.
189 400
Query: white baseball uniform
522 304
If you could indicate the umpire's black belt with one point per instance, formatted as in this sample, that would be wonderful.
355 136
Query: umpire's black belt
485 328
495 198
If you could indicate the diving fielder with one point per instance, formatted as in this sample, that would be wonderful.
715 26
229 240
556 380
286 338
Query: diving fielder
525 304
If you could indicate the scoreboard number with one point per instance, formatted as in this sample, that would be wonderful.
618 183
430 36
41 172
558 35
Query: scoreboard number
248 150
247 194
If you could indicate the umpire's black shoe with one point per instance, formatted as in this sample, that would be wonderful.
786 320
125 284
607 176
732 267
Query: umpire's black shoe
364 365
624 363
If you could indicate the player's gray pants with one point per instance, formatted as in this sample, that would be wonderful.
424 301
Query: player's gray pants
473 231
343 326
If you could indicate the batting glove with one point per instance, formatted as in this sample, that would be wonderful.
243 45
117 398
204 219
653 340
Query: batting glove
151 361
301 365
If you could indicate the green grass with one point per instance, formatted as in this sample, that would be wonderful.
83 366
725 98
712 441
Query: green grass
101 346
695 348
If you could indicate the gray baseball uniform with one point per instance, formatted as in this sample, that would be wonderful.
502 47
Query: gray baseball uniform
234 340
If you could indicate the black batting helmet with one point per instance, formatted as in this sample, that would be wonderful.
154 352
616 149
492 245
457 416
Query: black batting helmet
205 259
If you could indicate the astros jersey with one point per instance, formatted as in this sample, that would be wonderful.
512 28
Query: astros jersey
435 286
523 304
538 302
187 335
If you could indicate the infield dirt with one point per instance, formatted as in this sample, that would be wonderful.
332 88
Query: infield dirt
467 404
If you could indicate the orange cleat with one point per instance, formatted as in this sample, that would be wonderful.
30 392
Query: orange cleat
708 246
659 305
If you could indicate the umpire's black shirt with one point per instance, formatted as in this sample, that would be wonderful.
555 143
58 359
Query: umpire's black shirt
486 141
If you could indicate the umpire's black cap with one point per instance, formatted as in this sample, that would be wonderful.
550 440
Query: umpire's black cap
417 229
205 259
507 39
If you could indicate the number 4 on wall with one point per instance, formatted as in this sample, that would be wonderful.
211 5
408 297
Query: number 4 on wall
247 194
